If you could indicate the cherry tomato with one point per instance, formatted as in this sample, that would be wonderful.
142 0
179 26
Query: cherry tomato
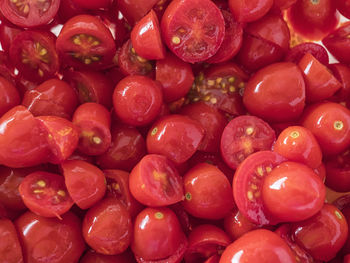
9 96
343 6
259 245
297 53
8 32
68 9
276 93
342 73
10 248
134 10
248 10
94 257
193 29
107 227
85 182
298 144
50 239
29 13
45 194
283 4
95 4
243 136
338 171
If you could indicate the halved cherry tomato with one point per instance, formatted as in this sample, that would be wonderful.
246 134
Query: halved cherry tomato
243 136
10 248
193 29
45 194
68 9
248 10
297 53
338 172
9 96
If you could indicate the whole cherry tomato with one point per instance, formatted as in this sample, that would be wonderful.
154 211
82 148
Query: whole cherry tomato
10 248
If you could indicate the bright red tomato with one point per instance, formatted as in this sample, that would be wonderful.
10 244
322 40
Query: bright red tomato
9 96
10 248
248 10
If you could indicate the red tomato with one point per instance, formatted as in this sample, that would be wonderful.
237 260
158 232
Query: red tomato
330 124
164 138
321 172
50 239
8 32
53 97
176 77
9 96
247 185
283 4
208 193
243 136
29 13
45 194
68 9
94 257
134 10
193 29
248 10
94 122
137 100
276 93
155 181
261 246
297 53
343 7
95 4
85 182
107 227
298 144
20 130
85 42
322 235
146 38
10 248
342 73
236 224
338 172
158 237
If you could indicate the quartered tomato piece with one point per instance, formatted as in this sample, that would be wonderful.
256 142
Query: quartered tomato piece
247 185
316 50
10 248
29 13
243 136
193 29
45 194
9 96
34 55
155 181
85 42
248 10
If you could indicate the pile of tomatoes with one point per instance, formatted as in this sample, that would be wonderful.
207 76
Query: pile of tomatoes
168 131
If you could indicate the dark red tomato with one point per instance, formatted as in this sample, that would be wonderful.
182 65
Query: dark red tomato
7 70
247 185
330 124
208 193
130 63
297 53
85 42
134 10
146 38
158 237
320 83
50 239
95 4
85 182
261 246
193 29
243 136
338 172
126 150
61 135
94 257
205 241
94 122
248 10
293 192
10 248
53 97
8 32
164 138
213 259
346 258
30 13
298 144
137 100
276 93
9 96
91 86
346 212
107 227
342 73
155 181
343 7
176 77
232 41
322 235
34 54
321 172
68 9
283 4
45 194
20 130
319 15
236 224
338 42
213 122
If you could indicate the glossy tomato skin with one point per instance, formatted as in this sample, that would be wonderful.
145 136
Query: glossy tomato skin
258 246
107 227
7 33
85 182
50 239
164 139
322 235
10 248
93 4
296 53
248 11
9 96
298 144
276 93
338 171
330 123
134 10
202 29
208 193
94 257
342 73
